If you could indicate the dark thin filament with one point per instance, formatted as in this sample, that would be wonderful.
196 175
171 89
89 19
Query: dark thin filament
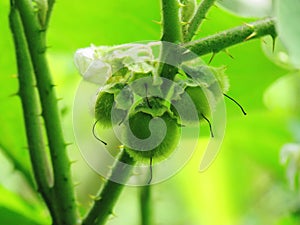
238 104
151 171
94 133
210 127
147 99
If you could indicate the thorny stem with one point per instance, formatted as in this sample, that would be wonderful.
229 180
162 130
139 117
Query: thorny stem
146 206
108 196
63 187
171 21
171 33
30 108
197 19
220 41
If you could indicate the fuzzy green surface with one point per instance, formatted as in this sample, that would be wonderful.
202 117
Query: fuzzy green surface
139 125
200 102
103 110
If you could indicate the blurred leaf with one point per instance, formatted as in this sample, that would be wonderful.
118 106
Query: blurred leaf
248 8
288 17
283 95
15 211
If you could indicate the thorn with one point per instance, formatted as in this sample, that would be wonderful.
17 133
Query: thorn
184 23
102 179
209 124
186 51
121 147
157 22
68 144
25 147
94 197
112 214
73 162
253 34
77 203
212 57
14 95
249 25
135 173
110 167
181 4
228 53
76 184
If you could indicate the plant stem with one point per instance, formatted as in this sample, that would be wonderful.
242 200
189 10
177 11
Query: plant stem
146 207
108 196
171 21
36 146
197 19
171 33
220 41
63 187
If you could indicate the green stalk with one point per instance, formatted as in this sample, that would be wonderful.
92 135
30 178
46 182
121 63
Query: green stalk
146 206
171 21
220 41
49 11
36 146
63 187
108 196
197 19
171 33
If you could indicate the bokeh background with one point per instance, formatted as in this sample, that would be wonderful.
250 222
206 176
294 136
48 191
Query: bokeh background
246 184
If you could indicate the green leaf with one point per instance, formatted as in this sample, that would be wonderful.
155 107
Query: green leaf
283 95
15 210
248 8
288 18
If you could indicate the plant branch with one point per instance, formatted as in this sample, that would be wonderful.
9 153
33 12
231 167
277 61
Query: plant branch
36 146
108 196
63 187
220 41
171 21
171 33
197 19
146 206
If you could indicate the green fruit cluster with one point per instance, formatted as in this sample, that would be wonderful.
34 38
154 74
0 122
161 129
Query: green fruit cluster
142 115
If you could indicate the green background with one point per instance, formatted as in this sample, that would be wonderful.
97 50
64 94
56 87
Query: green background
246 183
